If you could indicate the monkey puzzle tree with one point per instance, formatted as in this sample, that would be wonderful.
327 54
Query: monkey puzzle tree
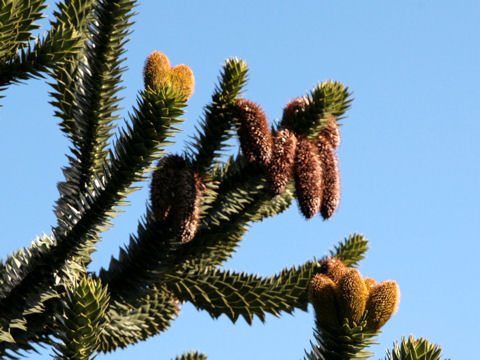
201 201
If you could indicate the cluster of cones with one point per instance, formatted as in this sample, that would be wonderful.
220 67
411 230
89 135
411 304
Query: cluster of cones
312 162
338 293
158 73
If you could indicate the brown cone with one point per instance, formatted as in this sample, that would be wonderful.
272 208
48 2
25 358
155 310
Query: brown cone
331 131
333 268
176 195
280 167
290 111
331 178
321 293
382 303
185 210
253 131
308 178
352 294
163 187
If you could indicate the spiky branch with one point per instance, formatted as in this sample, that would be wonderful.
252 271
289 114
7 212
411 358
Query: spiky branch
201 204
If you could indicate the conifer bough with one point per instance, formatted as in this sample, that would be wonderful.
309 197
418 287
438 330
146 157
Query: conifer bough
201 204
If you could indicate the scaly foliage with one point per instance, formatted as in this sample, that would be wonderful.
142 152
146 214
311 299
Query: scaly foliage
348 343
22 59
351 250
80 323
17 21
125 324
414 349
134 151
216 127
225 292
328 98
192 355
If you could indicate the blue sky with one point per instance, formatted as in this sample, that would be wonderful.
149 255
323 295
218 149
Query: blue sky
409 157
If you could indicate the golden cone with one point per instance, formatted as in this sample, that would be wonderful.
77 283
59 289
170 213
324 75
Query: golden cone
156 70
321 294
253 131
352 294
370 283
382 303
280 167
333 268
181 77
308 178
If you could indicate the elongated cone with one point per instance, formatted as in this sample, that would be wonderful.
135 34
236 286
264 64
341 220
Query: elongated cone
253 131
181 77
157 69
382 303
321 294
330 178
308 178
280 167
176 195
352 294
163 187
185 211
331 131
291 110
